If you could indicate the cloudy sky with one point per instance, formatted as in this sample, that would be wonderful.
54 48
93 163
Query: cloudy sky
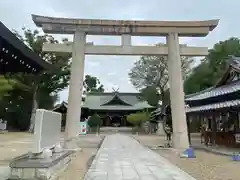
112 70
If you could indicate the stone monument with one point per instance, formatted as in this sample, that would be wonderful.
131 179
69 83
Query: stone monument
47 157
172 30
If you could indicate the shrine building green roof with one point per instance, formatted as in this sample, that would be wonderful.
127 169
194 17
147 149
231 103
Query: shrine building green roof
115 101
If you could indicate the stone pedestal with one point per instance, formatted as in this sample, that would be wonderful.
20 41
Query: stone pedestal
71 145
26 168
180 135
160 130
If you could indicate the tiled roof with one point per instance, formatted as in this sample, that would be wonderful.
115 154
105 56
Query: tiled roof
117 107
198 93
219 89
100 101
226 104
213 92
15 56
235 63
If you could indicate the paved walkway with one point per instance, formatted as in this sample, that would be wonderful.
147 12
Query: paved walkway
123 158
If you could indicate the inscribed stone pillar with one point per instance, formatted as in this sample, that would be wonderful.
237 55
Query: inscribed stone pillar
160 130
75 86
180 135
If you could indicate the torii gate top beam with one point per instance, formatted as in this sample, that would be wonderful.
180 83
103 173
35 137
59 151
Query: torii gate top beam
119 27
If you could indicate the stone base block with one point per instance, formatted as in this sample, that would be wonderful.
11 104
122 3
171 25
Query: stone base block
71 145
25 168
160 130
3 131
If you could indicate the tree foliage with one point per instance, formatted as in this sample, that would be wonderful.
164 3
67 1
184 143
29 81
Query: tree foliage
151 95
36 90
95 120
5 86
212 68
152 71
92 84
137 119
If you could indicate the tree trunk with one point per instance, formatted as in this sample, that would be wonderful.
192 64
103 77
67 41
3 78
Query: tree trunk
34 109
97 130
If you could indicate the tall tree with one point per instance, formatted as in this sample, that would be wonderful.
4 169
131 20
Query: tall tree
151 95
44 87
212 68
152 71
5 86
92 84
200 78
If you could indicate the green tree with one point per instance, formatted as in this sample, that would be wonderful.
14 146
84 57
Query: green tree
212 68
151 95
199 79
92 84
95 122
44 87
152 71
137 119
5 86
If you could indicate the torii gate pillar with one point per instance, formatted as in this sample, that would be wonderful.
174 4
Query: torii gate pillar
76 85
180 136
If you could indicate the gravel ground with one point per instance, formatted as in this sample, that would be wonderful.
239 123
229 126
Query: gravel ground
79 165
82 159
13 145
16 144
206 166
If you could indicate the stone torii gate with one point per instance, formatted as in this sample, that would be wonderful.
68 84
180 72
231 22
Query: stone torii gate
172 30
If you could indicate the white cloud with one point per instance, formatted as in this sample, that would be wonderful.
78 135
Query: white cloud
93 64
111 73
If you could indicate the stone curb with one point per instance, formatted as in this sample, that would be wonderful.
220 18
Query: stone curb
202 148
214 151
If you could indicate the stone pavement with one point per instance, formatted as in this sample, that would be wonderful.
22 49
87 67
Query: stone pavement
123 158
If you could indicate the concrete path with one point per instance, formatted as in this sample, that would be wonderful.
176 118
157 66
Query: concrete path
123 158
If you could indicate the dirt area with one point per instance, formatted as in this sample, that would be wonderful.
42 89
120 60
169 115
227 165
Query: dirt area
13 145
79 165
82 159
16 144
206 166
12 136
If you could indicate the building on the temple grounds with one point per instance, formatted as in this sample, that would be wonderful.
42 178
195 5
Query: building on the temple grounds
113 107
219 107
16 57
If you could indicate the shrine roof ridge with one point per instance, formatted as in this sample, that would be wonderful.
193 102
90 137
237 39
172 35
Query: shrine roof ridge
39 20
113 93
